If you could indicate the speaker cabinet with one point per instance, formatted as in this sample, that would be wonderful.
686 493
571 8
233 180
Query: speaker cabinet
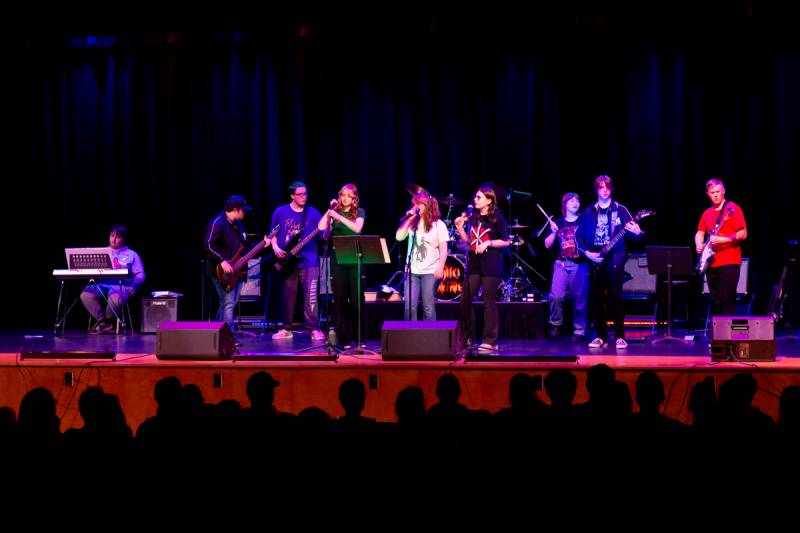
158 310
746 338
638 279
194 341
419 341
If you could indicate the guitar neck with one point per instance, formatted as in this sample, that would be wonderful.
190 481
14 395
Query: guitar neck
248 256
303 242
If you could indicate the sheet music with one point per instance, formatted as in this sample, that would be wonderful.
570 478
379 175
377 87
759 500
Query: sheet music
93 258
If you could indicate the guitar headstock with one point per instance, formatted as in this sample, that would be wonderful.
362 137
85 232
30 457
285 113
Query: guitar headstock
644 213
274 231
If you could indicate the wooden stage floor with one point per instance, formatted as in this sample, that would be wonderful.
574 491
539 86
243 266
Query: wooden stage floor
312 377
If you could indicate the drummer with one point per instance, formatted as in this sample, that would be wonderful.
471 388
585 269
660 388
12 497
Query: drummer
427 253
570 269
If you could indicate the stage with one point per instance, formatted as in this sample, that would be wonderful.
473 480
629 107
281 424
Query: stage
76 360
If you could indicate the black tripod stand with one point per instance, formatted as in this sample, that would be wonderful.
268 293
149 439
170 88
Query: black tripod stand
360 250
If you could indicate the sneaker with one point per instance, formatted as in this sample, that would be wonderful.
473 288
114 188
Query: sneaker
598 343
347 347
621 344
317 335
488 347
283 334
578 338
554 331
102 328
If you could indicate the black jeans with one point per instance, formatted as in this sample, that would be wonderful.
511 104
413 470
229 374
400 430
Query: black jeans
722 282
491 318
606 295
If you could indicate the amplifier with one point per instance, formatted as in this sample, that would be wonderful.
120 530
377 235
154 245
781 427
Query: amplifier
746 338
743 328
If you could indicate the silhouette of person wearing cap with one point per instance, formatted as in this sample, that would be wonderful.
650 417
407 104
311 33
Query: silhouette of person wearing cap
225 238
105 301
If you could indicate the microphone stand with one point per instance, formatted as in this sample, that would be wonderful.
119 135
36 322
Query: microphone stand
467 320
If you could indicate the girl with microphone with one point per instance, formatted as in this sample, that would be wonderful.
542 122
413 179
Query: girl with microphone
427 253
345 217
488 232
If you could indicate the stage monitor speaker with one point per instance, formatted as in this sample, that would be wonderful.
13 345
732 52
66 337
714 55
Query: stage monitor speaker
194 341
637 277
749 338
419 341
158 310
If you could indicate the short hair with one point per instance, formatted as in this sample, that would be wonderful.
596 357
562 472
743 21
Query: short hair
295 185
566 198
601 180
121 231
713 182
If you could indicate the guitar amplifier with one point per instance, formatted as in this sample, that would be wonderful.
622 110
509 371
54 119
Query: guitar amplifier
750 338
158 310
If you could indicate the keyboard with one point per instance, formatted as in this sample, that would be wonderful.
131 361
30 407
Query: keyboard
91 273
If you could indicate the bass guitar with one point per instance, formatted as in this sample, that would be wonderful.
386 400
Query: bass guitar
239 262
621 233
708 252
287 263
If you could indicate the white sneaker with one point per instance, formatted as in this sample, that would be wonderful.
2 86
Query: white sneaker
598 343
488 347
317 335
283 334
621 344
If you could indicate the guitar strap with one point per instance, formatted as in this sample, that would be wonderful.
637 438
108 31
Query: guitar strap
719 218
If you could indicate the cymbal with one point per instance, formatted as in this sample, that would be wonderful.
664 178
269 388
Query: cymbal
518 226
450 200
414 189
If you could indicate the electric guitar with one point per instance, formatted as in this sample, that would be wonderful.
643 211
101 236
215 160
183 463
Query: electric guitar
621 233
778 297
287 263
708 252
240 263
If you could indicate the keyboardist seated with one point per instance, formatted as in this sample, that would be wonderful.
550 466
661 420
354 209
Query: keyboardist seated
114 292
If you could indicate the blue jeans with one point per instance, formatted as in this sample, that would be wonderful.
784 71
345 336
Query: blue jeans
423 283
227 301
573 278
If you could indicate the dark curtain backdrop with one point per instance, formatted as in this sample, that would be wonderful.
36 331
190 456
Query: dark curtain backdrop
156 133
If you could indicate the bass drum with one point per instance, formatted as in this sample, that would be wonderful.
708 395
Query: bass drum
448 289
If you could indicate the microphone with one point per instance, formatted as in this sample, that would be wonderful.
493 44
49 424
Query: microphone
470 207
409 215
334 204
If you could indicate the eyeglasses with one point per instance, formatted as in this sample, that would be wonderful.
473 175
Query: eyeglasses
301 194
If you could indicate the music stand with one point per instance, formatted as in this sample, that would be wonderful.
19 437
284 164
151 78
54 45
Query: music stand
669 261
360 250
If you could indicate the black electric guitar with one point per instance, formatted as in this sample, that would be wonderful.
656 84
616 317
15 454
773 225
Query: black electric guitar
778 297
286 264
239 262
619 234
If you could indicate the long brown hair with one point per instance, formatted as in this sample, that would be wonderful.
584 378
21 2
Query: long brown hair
488 192
352 213
431 213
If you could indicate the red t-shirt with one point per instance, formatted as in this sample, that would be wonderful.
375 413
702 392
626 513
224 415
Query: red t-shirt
729 253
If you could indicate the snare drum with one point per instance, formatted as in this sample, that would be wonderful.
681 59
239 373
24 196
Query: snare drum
449 287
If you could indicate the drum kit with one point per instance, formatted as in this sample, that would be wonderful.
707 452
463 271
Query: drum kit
517 287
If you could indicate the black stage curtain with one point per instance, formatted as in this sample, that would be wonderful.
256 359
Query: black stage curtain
153 128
